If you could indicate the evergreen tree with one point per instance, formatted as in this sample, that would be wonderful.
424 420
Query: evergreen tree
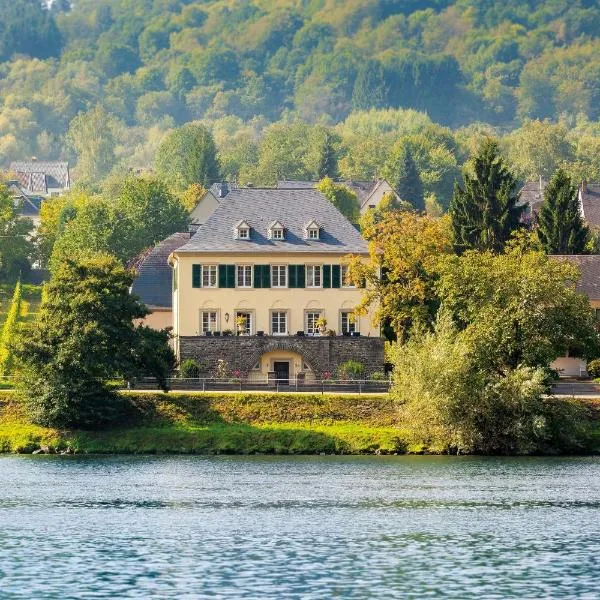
9 330
370 90
327 166
404 177
485 213
561 229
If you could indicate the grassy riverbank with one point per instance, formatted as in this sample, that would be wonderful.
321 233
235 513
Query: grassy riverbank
223 423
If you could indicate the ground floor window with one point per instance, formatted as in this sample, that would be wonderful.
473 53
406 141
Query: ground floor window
279 319
209 321
312 316
348 322
243 321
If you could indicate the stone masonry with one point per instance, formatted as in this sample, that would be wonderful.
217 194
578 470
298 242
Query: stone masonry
321 354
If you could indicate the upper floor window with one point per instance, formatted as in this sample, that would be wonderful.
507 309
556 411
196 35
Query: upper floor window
241 231
345 277
244 275
313 276
276 231
209 276
312 230
278 275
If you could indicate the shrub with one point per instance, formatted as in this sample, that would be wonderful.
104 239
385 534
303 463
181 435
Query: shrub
378 376
190 369
351 369
593 368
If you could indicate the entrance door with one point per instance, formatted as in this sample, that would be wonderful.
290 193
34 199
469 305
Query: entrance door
282 372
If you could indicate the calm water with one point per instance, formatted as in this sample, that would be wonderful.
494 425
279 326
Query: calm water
314 527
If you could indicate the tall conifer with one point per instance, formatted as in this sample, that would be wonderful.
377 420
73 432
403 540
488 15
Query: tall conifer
405 178
561 229
485 212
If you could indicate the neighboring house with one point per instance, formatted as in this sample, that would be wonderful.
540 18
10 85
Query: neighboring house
209 202
154 281
589 201
44 178
589 284
369 193
269 264
29 204
531 196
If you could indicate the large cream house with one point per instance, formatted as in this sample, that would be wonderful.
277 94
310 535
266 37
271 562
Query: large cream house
269 264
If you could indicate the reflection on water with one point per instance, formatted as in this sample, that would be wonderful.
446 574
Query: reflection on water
312 527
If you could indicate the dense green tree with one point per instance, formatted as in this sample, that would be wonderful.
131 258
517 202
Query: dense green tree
327 165
369 88
485 212
188 155
16 247
91 135
403 175
561 229
9 331
86 333
342 197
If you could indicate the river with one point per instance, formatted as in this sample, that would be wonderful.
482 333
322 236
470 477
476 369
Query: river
305 527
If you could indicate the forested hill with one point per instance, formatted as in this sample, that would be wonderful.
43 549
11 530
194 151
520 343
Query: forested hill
154 64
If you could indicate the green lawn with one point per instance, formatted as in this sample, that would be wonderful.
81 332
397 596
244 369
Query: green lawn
32 297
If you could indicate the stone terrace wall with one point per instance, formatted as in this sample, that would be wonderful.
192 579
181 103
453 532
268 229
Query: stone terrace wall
320 353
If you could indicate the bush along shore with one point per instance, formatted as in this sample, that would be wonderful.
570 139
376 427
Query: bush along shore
220 424
231 424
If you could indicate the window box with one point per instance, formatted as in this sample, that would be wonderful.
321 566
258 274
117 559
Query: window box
217 333
299 333
356 334
208 333
260 333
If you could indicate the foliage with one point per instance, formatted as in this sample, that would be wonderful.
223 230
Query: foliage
561 229
403 176
593 368
9 331
190 369
485 212
192 196
452 402
188 155
342 197
400 275
351 369
15 246
86 333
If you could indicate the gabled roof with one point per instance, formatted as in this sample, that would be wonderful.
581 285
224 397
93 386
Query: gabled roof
38 176
363 189
262 206
154 280
531 195
589 264
589 198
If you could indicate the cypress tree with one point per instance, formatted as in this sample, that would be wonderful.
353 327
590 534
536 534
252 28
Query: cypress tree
327 166
405 178
485 212
9 330
561 229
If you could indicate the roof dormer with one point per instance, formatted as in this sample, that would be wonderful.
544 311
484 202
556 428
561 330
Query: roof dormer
241 231
276 231
312 230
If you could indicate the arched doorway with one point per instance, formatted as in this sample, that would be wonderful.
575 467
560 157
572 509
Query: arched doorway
283 365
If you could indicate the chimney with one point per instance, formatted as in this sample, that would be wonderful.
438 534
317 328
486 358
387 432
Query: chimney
223 189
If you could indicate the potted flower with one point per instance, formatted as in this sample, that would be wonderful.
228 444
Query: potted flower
240 323
321 324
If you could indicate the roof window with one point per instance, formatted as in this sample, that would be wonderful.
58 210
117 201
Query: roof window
241 231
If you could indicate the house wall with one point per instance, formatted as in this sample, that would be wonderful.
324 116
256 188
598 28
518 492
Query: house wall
204 209
380 191
188 302
159 319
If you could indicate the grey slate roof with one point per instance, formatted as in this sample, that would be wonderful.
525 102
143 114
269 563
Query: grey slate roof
589 196
38 176
589 264
362 189
154 281
294 208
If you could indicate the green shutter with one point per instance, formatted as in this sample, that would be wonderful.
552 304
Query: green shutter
297 276
222 276
326 276
258 276
196 276
266 276
230 276
336 276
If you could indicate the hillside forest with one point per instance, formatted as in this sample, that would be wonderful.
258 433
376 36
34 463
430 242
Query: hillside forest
284 86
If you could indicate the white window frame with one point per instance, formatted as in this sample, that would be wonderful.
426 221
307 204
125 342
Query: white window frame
310 280
277 233
286 322
209 311
351 327
313 314
343 277
212 272
245 282
278 278
243 233
250 313
312 233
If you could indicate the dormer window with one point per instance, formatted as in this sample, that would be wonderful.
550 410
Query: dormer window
276 231
312 230
241 231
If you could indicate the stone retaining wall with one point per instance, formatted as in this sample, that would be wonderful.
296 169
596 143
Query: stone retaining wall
321 354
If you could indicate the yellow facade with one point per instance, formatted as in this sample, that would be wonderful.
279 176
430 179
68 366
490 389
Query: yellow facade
264 305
